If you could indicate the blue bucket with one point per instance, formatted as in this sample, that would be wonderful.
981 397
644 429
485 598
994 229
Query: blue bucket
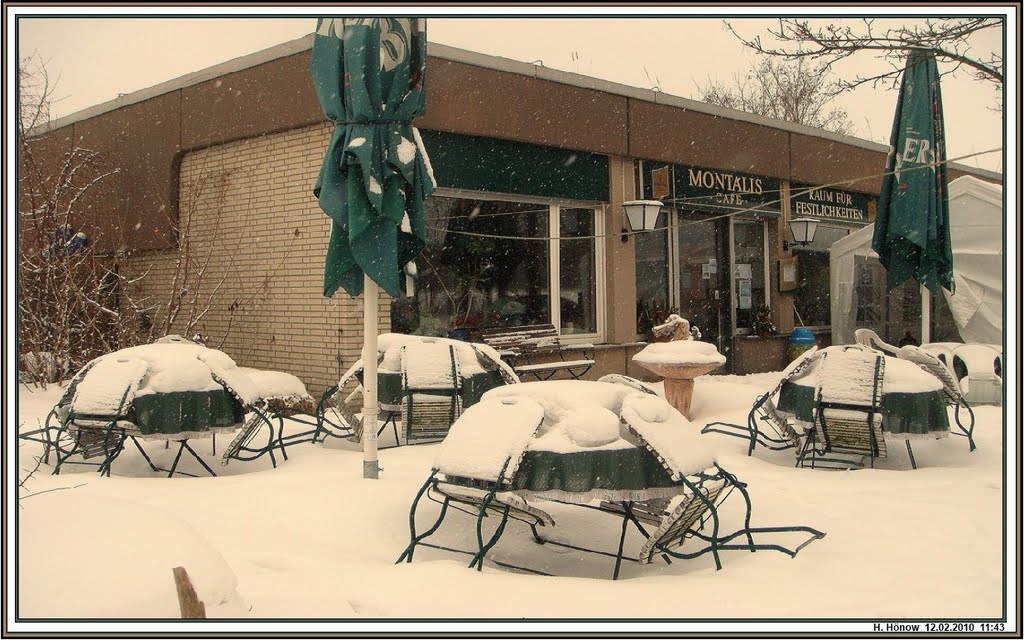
800 340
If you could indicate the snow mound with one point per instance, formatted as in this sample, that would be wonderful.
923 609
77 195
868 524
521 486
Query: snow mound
120 566
592 427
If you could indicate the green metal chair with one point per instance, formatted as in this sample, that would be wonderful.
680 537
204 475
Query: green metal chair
693 515
431 390
481 500
765 424
847 414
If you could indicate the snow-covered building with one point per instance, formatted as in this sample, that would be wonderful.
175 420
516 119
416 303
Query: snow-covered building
229 155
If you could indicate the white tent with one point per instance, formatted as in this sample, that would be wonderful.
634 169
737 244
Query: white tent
976 230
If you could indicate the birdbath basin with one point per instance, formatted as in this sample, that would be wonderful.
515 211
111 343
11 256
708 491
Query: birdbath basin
679 362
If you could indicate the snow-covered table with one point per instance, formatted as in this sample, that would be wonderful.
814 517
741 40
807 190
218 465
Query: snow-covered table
912 402
598 445
171 390
409 360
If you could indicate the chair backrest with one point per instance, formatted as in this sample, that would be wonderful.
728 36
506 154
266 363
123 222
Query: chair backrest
765 409
870 339
430 366
633 383
430 389
524 340
848 407
934 366
688 515
244 436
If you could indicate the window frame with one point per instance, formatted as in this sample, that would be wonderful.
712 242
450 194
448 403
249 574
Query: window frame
555 205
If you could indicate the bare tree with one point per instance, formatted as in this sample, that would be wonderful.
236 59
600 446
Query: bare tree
829 43
796 91
69 296
76 303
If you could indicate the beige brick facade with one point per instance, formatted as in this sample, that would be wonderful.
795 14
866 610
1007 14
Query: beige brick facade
259 238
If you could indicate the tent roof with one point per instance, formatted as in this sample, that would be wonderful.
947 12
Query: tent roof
962 215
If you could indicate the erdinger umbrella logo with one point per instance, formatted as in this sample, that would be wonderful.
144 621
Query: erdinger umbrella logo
917 152
394 36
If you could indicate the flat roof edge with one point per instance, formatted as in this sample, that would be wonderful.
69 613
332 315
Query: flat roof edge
455 54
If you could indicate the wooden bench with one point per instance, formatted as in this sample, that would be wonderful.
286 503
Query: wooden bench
523 346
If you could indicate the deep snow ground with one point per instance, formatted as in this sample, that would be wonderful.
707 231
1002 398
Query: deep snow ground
313 539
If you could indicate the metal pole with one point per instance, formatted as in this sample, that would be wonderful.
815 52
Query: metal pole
926 314
370 294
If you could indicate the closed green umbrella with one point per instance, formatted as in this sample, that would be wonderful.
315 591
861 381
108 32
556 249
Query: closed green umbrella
912 226
369 75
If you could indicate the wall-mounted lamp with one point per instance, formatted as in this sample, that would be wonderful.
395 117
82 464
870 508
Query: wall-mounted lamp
803 232
641 215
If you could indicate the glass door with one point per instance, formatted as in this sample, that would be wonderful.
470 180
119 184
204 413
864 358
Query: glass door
751 292
702 279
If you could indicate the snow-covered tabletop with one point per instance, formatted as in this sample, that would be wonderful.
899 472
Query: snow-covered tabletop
173 389
575 441
912 401
478 367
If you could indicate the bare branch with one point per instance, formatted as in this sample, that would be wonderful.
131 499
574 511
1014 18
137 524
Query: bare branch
828 44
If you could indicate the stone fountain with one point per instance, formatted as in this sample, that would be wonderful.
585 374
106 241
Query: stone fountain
679 360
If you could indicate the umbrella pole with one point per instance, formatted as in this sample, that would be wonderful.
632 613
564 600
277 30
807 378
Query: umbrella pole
370 294
926 314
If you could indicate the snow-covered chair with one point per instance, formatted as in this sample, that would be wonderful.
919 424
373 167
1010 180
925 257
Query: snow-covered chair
847 414
950 388
431 388
871 340
695 515
281 396
474 476
451 374
632 383
765 424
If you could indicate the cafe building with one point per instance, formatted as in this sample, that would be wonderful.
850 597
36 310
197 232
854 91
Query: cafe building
526 227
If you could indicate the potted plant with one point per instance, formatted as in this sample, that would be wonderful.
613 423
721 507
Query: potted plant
761 322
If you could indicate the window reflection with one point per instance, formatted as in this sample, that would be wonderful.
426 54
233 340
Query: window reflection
488 263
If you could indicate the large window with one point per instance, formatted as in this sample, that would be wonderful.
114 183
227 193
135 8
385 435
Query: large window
492 263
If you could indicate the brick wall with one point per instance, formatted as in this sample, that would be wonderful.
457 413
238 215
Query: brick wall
260 238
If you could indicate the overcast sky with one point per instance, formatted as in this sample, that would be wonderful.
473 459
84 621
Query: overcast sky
95 58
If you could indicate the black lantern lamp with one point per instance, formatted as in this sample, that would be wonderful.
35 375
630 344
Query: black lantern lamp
641 215
803 231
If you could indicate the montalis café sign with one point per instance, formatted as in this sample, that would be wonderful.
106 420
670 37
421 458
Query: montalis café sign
704 189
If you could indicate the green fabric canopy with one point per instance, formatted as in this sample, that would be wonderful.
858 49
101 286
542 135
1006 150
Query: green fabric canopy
369 77
912 226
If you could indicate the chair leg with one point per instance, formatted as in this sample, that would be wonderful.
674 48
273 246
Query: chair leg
413 538
177 457
144 455
478 559
913 463
627 512
202 463
969 430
